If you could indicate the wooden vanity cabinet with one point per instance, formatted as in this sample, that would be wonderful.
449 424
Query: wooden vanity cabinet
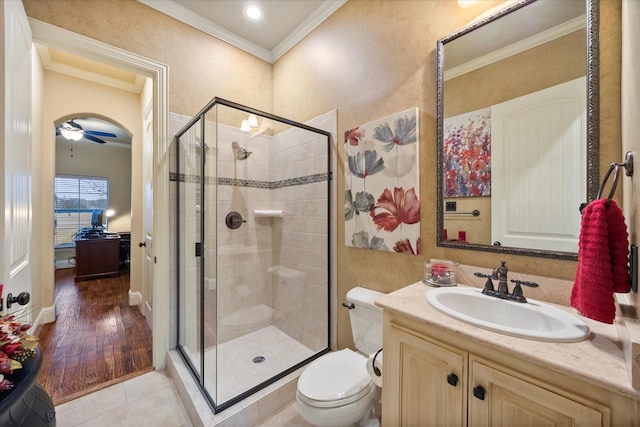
419 389
504 399
425 382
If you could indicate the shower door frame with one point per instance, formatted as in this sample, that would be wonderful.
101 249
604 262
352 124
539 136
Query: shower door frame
200 379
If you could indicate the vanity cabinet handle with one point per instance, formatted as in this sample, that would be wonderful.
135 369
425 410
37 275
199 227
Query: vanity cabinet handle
452 379
478 391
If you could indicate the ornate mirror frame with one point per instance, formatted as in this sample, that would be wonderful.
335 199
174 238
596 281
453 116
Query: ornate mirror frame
593 120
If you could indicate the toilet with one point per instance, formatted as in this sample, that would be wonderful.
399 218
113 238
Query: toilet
336 390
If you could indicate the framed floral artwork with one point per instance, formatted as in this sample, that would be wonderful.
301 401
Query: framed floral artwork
382 205
467 154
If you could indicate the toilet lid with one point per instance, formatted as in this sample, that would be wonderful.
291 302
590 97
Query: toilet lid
335 376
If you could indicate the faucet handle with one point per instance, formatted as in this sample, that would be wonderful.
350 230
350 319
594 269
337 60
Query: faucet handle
525 282
488 286
517 294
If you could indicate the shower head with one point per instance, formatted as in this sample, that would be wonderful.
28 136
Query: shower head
239 152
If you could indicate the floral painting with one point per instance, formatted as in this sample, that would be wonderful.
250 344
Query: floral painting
382 205
467 154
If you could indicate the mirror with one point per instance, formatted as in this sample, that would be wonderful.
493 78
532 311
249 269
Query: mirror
517 129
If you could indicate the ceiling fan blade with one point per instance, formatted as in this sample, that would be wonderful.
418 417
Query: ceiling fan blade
74 124
98 133
94 139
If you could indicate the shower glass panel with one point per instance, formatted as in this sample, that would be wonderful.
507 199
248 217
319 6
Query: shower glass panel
189 155
253 220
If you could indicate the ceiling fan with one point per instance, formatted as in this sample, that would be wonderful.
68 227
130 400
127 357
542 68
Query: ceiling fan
74 132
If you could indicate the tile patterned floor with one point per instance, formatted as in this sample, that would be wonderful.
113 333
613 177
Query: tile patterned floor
148 400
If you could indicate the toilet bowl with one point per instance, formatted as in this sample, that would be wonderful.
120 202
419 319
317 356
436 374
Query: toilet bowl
336 389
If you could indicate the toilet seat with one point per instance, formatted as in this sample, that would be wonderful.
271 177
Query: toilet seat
335 379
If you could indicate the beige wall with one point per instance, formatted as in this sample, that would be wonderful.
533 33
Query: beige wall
374 58
68 95
201 66
370 59
114 163
518 75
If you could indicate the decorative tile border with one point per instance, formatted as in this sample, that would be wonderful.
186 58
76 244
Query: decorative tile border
269 185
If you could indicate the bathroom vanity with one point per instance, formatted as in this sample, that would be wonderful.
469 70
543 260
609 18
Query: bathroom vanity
441 371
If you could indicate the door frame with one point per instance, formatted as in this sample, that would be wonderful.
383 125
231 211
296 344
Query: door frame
59 38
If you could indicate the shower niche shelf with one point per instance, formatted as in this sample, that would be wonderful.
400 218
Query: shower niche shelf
268 213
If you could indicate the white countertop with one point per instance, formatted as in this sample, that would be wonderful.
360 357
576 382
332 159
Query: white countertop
598 359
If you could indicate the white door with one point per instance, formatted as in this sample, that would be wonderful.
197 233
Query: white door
147 210
15 156
538 150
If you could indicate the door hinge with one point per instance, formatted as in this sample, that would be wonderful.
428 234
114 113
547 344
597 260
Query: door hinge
198 248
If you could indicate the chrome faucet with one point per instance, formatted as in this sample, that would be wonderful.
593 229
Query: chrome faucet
500 274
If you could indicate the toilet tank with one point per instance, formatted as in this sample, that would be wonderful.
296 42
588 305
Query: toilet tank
366 319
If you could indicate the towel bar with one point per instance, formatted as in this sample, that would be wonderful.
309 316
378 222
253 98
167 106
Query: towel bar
627 165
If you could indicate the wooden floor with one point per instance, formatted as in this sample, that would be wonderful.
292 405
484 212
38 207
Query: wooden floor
97 339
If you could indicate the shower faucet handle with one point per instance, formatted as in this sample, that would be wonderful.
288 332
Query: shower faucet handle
233 220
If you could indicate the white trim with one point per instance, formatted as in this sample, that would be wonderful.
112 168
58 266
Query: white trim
518 47
59 38
135 297
50 65
322 13
46 315
182 14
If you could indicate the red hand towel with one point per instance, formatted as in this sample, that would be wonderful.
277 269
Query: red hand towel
603 254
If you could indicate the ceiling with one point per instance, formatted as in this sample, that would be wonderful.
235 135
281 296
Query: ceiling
285 22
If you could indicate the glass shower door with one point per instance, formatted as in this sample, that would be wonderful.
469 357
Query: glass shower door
252 248
189 262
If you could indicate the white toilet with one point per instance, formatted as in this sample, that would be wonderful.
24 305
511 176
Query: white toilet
336 390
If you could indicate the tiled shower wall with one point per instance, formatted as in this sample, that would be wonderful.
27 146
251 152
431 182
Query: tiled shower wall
273 265
300 277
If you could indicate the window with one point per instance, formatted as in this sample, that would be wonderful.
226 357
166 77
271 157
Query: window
75 198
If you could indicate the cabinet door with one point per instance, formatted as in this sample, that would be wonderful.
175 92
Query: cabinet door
506 400
424 383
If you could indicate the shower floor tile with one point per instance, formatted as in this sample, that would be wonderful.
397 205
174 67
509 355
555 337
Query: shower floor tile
237 370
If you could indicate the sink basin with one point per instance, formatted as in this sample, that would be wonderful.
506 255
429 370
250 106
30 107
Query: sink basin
533 320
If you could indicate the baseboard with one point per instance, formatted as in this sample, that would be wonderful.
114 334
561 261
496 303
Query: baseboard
135 298
46 315
148 314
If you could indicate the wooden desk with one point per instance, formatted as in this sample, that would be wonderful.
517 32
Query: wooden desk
97 257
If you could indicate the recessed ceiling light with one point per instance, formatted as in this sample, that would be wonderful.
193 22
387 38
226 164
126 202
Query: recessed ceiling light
466 3
253 12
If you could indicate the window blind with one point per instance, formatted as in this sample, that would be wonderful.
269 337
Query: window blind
75 198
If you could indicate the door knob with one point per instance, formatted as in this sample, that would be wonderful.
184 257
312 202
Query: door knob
142 244
22 299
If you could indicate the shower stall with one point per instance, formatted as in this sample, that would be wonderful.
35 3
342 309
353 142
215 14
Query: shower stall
252 248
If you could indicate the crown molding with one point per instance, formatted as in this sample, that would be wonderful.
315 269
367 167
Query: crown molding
309 24
518 47
176 11
50 65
